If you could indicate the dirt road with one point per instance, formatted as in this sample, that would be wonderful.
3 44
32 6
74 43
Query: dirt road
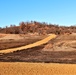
44 41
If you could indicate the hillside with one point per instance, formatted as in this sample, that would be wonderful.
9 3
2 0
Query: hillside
61 49
37 27
31 42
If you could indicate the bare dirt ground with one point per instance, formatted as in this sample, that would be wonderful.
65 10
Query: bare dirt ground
59 50
37 55
45 59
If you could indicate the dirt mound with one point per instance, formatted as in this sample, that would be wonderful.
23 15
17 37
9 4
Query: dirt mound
62 43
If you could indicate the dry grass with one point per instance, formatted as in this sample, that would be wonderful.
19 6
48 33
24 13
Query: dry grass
15 40
36 69
38 43
6 44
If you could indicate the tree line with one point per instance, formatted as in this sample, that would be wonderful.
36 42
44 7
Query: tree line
37 27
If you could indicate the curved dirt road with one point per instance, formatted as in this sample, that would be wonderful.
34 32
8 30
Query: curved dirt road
44 41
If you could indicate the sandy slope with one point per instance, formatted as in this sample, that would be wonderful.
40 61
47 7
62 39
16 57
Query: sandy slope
30 45
36 69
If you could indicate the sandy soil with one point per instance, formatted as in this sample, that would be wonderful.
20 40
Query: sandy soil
36 69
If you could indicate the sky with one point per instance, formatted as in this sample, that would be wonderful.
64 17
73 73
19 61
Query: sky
61 12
